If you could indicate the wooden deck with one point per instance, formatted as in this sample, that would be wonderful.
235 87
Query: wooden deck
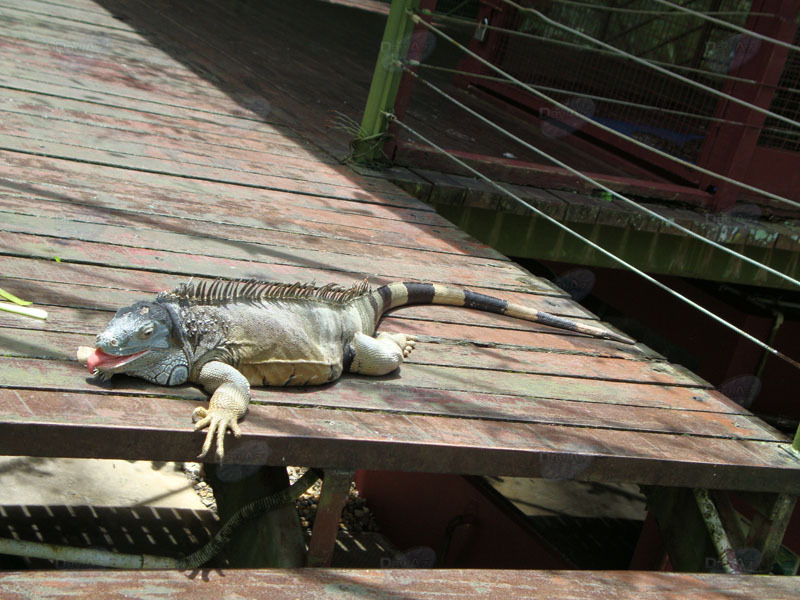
402 584
134 155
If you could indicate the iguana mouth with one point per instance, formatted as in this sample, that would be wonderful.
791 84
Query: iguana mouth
102 361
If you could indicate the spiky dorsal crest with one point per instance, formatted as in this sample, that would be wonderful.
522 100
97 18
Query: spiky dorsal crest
226 291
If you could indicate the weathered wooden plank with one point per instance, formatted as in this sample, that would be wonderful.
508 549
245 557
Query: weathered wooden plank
61 346
305 65
86 8
534 337
102 58
238 119
56 424
292 182
266 216
478 327
224 241
90 55
335 490
366 395
545 386
91 14
207 135
39 343
92 142
262 262
115 272
21 170
400 584
87 321
453 406
57 375
268 221
102 73
194 206
269 226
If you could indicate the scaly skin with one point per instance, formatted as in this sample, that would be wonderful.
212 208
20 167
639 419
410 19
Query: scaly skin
231 335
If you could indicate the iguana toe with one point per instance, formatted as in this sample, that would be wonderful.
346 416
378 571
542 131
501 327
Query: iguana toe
218 423
405 342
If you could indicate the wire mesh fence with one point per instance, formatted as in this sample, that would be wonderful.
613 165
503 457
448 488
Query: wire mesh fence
644 104
620 77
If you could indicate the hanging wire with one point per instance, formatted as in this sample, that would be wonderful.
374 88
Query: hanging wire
727 24
670 13
532 36
605 99
598 248
418 20
652 65
605 188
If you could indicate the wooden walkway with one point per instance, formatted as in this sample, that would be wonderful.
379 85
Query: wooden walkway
402 584
135 154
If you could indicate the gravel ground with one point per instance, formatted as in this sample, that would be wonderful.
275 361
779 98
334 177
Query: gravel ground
356 516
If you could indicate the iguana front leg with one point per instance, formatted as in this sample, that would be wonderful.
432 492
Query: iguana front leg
230 394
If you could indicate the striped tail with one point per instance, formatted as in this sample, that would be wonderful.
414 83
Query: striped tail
394 295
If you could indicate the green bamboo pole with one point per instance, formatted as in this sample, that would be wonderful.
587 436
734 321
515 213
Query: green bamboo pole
385 81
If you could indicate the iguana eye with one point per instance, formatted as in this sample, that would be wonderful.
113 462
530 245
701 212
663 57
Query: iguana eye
146 331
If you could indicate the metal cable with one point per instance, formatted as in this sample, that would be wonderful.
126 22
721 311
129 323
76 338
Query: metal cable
747 32
592 96
603 187
598 248
524 34
652 65
638 11
416 18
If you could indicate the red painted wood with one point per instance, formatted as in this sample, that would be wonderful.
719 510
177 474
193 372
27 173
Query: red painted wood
728 149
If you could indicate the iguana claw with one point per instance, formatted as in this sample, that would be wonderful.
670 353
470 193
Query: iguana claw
218 422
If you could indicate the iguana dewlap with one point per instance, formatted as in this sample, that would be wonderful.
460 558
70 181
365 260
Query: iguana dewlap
228 335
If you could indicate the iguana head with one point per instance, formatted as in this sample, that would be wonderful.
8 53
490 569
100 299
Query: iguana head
138 341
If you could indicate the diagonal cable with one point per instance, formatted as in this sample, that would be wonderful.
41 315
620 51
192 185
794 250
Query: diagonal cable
531 36
729 25
668 13
605 188
651 65
597 247
600 126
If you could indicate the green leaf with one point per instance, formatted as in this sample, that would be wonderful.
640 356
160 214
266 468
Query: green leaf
13 298
55 258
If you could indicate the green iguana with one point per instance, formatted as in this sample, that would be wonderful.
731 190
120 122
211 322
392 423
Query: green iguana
229 335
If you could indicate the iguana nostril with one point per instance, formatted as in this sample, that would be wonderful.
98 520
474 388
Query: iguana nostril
114 342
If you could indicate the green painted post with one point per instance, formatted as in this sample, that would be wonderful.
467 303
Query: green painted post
385 81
